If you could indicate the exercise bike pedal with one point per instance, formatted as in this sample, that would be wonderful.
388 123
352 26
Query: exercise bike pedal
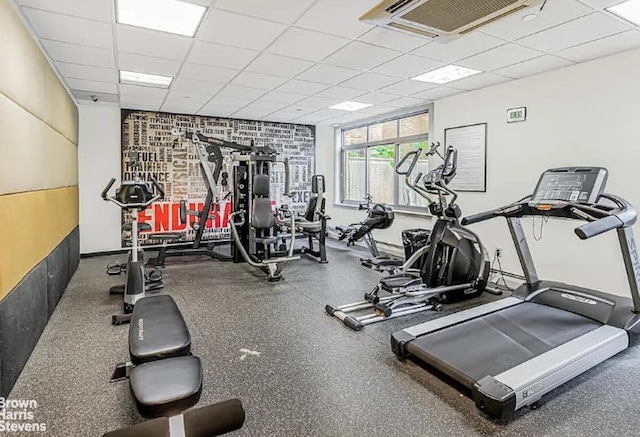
120 319
373 298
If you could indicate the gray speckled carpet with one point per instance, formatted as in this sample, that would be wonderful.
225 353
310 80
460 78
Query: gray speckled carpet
313 377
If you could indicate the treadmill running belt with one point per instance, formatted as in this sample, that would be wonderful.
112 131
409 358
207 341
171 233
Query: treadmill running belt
491 344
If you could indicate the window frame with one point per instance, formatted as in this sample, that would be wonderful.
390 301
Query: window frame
396 142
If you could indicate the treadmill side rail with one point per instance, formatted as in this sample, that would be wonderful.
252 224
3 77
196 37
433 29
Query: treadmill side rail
462 316
501 395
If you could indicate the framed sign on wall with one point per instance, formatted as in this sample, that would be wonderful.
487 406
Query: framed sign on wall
471 143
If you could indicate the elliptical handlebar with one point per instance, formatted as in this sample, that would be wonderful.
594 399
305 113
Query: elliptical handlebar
416 155
140 205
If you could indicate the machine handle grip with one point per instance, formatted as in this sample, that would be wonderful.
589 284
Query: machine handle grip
598 227
480 217
158 187
107 188
415 154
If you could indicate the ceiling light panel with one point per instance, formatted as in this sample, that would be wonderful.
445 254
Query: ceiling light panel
170 16
629 10
154 80
446 74
350 106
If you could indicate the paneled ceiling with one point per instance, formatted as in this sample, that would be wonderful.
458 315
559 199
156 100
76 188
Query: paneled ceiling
289 60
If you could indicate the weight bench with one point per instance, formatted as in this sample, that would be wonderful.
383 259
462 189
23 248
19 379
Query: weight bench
164 378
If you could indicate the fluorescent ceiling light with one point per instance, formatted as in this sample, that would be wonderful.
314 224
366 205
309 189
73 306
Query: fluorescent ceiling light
350 106
145 79
629 10
446 74
171 16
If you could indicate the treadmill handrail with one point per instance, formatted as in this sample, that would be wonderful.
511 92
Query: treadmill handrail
601 218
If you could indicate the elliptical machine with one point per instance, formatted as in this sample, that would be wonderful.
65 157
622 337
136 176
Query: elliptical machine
455 265
133 196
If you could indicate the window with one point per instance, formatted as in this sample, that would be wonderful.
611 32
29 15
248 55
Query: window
370 154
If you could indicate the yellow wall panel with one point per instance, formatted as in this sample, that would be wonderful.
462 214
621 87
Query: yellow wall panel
27 78
33 156
32 224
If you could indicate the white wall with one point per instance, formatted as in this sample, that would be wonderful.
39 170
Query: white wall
98 162
587 114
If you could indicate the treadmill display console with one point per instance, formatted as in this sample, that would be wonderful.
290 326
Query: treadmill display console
570 184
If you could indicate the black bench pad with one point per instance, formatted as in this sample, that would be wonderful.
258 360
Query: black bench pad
157 330
142 227
167 387
346 228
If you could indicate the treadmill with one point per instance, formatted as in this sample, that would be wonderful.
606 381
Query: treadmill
511 352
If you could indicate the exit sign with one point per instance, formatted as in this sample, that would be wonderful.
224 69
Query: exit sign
516 114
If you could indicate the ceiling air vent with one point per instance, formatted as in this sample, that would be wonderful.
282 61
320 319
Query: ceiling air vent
442 19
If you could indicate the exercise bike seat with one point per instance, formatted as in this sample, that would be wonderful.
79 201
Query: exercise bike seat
142 227
157 330
345 229
167 387
392 283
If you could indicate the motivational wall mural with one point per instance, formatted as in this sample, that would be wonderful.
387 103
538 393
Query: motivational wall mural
148 150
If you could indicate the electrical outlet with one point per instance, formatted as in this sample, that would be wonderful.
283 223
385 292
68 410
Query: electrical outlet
498 252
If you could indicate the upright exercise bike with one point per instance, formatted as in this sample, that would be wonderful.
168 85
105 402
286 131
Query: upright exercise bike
454 266
133 196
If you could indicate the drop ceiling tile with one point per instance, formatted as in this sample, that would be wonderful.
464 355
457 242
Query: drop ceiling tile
229 102
553 14
282 11
94 10
376 98
74 30
602 47
309 119
241 92
306 44
77 71
217 111
280 97
220 56
267 106
319 102
478 81
377 110
361 56
65 52
329 113
142 103
370 81
579 31
142 91
329 74
102 97
438 93
239 31
341 92
338 17
407 87
147 64
152 43
258 80
188 98
407 66
406 102
601 4
463 47
393 39
278 65
207 73
191 86
283 116
250 114
89 85
534 66
181 107
299 109
303 87
499 57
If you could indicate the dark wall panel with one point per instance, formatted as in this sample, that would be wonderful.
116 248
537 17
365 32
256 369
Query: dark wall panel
25 311
23 316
